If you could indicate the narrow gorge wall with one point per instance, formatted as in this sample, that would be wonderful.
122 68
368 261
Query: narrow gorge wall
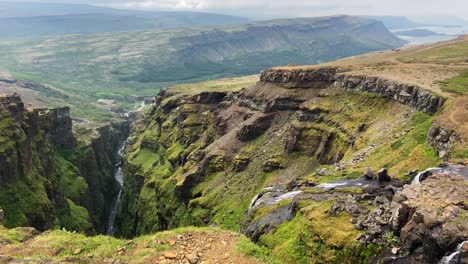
48 178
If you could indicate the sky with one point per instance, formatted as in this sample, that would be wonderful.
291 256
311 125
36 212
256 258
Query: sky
293 8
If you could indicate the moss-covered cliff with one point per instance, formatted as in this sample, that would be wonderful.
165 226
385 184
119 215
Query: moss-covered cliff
200 159
48 177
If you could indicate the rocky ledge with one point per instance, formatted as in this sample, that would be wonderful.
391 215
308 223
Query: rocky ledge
326 77
421 222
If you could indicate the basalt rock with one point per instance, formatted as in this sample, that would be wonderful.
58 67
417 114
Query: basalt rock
429 216
57 124
442 139
326 77
383 176
254 127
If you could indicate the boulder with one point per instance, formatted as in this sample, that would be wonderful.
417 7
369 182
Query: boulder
383 176
369 174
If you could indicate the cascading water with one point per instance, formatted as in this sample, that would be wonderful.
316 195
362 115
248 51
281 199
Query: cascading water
142 106
119 178
450 169
453 258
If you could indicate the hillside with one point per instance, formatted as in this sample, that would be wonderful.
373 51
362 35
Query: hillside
359 160
115 65
313 162
29 20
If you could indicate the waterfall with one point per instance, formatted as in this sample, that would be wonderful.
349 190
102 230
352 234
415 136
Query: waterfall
119 178
142 106
453 258
447 170
417 178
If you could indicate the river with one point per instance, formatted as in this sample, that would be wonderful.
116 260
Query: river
119 178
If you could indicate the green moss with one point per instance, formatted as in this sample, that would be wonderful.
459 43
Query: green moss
146 159
174 151
315 237
23 202
74 186
76 218
268 209
408 152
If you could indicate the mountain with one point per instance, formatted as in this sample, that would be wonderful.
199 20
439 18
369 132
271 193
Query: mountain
28 20
115 65
396 22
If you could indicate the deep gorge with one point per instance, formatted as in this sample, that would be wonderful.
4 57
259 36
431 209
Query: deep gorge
304 151
49 177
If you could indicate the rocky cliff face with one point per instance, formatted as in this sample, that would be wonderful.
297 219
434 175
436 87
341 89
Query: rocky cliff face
251 159
47 177
320 78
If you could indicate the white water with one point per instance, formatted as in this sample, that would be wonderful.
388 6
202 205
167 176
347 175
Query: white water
451 169
142 105
331 185
119 178
417 178
454 257
267 201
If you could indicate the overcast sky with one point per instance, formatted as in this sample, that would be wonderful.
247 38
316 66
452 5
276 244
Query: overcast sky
293 8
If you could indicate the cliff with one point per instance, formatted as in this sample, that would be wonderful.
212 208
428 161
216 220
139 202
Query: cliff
47 177
321 78
251 159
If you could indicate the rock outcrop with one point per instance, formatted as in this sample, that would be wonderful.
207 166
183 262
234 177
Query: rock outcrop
322 78
57 124
442 139
430 217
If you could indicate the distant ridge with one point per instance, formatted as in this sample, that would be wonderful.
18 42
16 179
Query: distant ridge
27 20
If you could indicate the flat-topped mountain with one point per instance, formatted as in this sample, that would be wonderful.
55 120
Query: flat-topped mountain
114 65
28 20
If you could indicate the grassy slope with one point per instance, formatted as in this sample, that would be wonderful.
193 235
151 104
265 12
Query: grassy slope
224 194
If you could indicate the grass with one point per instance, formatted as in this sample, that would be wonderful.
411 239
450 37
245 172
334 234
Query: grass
406 153
458 84
248 248
224 84
448 54
76 219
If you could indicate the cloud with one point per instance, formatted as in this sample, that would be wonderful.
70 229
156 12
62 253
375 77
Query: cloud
293 8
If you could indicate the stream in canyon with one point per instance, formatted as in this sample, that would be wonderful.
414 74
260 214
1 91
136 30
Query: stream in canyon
119 178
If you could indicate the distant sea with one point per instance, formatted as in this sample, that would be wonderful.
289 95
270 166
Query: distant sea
449 33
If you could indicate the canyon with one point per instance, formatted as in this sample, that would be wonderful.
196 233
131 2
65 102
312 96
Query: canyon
314 164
